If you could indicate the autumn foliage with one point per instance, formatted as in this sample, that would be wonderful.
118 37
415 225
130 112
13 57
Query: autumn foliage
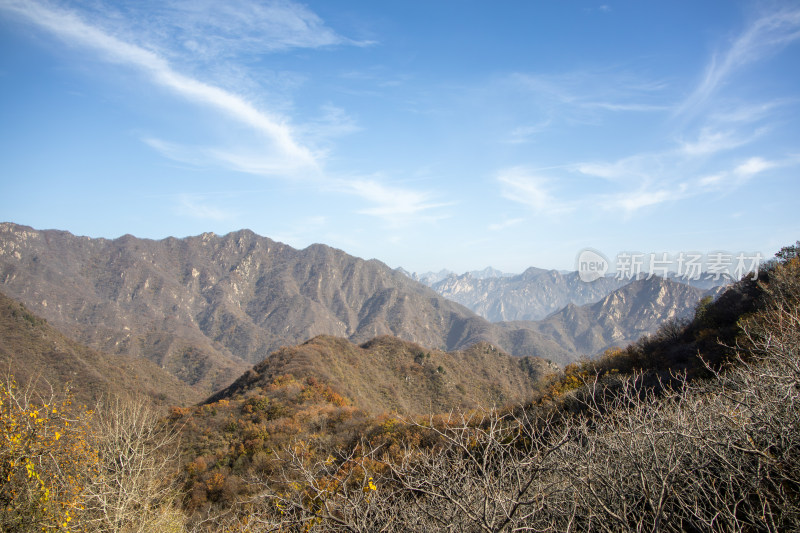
68 468
47 457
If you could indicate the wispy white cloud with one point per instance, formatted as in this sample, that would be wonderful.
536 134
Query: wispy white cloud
672 177
652 178
634 201
712 181
636 187
753 166
588 91
545 102
190 155
212 29
602 8
278 137
763 36
249 160
615 106
635 167
733 177
710 142
523 186
216 29
744 113
524 134
333 122
395 205
204 31
195 206
506 224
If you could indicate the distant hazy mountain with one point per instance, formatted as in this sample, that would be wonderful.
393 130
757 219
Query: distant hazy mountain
532 295
205 308
431 278
704 281
428 278
488 273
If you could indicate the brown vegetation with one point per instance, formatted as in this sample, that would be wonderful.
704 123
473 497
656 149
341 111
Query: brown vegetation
388 374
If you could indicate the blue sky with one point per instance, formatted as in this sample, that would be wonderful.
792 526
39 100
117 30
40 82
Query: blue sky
446 134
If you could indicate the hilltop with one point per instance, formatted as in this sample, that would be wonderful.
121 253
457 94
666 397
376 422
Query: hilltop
387 374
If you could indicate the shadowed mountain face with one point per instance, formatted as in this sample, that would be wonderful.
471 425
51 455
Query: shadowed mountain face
207 307
34 352
388 374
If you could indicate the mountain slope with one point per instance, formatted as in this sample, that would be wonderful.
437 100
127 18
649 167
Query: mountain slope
622 317
207 307
389 374
31 350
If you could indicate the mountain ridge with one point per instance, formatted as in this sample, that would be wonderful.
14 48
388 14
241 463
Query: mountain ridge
529 296
623 316
388 374
207 307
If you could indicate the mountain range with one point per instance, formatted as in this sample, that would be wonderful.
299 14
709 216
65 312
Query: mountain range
38 355
206 308
430 278
532 295
623 316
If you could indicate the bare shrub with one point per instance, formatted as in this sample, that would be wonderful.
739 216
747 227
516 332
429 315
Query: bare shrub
134 489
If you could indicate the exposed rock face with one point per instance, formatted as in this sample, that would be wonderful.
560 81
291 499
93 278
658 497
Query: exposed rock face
207 307
623 316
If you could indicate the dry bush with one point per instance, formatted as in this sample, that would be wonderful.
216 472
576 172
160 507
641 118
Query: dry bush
64 468
134 490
